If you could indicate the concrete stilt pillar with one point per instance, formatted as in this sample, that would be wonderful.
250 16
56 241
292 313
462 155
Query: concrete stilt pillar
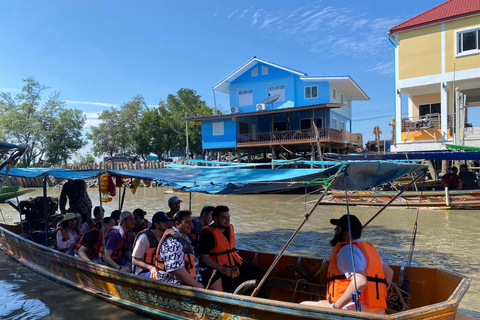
238 157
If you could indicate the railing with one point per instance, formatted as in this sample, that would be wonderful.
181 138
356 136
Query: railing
290 135
429 121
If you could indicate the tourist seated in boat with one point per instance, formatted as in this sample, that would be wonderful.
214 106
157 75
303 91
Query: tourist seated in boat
450 179
203 220
88 248
217 251
176 260
116 215
369 273
97 216
118 244
467 180
174 205
140 222
146 243
67 234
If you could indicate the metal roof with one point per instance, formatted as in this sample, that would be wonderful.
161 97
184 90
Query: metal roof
449 10
264 112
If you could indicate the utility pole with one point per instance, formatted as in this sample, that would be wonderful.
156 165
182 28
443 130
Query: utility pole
187 153
377 132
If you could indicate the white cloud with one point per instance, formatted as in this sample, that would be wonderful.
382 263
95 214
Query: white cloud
255 16
100 104
232 13
92 120
385 68
244 12
268 21
10 89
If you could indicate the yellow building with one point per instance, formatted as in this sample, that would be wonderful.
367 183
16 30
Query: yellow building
437 52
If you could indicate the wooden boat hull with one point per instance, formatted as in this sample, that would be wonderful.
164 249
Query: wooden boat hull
435 293
458 199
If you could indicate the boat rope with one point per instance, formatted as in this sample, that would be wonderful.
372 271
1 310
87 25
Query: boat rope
356 294
340 171
398 300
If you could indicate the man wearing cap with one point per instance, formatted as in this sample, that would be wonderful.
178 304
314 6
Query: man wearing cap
174 205
140 222
118 244
368 273
145 246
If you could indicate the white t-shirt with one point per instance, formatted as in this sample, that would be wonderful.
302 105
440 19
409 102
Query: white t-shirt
344 265
141 246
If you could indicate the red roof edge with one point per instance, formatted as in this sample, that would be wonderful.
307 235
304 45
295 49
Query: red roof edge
464 15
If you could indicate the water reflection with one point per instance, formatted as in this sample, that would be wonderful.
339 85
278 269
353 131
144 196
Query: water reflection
445 239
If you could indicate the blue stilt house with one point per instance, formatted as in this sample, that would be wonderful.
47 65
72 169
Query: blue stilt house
277 109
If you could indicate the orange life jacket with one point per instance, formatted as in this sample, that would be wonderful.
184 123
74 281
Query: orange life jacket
224 252
150 254
94 250
143 227
65 237
121 247
188 255
375 293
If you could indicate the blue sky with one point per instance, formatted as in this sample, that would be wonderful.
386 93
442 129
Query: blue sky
102 53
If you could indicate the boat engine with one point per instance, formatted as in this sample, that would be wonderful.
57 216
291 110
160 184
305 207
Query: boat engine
33 216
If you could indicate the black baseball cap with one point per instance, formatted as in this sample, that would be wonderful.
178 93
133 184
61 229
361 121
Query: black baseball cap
343 222
160 216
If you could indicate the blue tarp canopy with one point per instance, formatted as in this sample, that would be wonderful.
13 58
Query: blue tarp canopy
359 175
435 155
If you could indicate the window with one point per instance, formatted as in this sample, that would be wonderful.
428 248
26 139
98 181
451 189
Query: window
311 92
280 126
278 90
334 123
218 129
342 125
255 72
307 123
468 41
245 98
334 94
428 108
264 71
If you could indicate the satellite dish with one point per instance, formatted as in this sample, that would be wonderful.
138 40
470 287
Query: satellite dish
271 99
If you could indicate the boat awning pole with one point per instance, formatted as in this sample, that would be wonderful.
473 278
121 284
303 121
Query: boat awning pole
307 215
395 198
101 210
45 208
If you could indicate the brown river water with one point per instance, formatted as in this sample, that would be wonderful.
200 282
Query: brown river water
445 239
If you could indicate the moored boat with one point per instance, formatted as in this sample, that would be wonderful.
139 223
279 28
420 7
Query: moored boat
455 199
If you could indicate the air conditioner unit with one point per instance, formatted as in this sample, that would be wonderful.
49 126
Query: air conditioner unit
235 110
260 106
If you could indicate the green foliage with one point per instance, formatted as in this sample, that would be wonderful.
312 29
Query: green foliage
163 129
84 159
49 129
118 128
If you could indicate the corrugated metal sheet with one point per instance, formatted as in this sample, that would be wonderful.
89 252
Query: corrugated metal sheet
451 9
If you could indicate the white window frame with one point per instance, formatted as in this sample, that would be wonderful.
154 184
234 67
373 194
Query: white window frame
334 94
311 92
459 53
246 101
218 128
278 90
334 120
342 125
254 72
264 71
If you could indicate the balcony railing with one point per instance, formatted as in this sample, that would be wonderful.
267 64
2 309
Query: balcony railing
295 135
429 121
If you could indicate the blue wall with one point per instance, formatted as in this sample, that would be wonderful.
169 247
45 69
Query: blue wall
323 92
228 140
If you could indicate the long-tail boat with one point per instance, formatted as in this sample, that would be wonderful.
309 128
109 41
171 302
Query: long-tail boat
434 293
